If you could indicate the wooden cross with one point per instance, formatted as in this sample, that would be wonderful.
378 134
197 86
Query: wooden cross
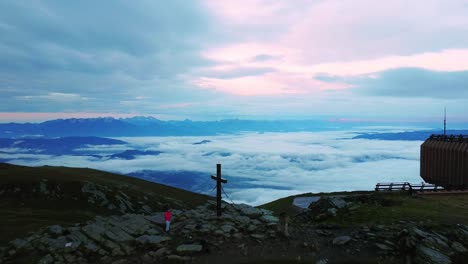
219 180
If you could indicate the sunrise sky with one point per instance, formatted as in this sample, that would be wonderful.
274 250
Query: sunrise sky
253 59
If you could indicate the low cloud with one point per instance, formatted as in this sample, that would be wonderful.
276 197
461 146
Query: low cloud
273 164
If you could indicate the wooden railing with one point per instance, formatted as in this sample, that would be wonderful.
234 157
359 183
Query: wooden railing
406 186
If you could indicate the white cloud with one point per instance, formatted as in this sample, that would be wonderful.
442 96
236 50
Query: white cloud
278 164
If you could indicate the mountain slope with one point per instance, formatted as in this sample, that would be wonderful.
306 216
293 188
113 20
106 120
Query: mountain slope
34 197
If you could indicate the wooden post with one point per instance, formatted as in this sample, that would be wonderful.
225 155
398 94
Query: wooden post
219 180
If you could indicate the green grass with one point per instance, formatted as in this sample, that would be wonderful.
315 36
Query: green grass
25 211
397 206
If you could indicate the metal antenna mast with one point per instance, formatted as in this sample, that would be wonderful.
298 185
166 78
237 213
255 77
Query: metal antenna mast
445 120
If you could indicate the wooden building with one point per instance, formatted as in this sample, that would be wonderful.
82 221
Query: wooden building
444 161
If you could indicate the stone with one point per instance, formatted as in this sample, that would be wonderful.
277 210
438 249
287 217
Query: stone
160 252
189 248
19 243
420 233
55 230
428 255
257 236
323 232
152 240
341 240
337 202
249 211
243 220
252 228
94 231
118 235
332 211
383 247
228 228
176 258
269 219
458 247
91 246
48 259
322 261
157 218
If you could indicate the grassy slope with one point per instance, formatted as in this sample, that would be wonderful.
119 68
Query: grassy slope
435 208
26 211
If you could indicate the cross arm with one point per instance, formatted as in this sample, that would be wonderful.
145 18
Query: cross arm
216 178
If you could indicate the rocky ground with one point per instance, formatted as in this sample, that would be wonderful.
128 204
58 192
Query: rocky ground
242 234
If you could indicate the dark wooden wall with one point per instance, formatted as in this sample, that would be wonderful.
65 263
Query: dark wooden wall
444 161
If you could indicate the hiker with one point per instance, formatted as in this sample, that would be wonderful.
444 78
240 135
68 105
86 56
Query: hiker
167 217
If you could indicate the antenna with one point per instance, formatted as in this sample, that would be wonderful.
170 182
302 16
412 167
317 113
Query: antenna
445 120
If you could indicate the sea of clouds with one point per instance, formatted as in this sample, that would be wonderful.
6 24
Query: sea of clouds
270 165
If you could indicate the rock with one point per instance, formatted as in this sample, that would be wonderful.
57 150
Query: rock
420 233
55 230
426 255
189 248
48 259
243 220
95 194
176 258
269 219
332 211
458 247
228 228
341 240
91 247
257 236
152 240
323 232
383 247
252 228
322 261
19 244
117 235
159 252
94 231
249 211
337 202
157 218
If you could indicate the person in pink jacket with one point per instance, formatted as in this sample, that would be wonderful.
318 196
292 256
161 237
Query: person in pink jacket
167 217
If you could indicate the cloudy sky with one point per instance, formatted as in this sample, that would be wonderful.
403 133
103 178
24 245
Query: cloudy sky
210 59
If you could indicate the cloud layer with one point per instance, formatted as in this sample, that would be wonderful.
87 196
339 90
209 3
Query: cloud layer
270 165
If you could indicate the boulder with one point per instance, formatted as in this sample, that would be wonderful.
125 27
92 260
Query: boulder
337 202
157 218
341 240
117 235
458 247
257 236
249 211
332 211
383 247
269 219
426 255
152 240
177 259
189 248
94 231
55 230
48 259
228 228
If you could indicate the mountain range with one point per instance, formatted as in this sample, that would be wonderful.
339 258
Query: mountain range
149 126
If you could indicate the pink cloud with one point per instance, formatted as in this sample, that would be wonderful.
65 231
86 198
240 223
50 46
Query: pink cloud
336 38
